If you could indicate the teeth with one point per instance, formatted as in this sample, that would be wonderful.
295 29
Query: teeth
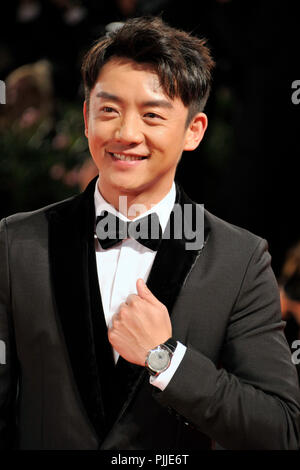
126 158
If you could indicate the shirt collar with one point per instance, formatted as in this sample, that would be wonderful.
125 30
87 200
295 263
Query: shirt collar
163 208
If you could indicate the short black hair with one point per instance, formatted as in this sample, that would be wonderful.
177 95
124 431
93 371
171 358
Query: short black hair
182 62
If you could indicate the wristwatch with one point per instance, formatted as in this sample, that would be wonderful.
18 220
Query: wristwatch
159 358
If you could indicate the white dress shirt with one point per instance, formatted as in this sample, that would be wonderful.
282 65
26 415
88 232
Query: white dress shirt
120 266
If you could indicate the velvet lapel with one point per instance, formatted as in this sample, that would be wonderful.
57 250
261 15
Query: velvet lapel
173 261
171 268
71 228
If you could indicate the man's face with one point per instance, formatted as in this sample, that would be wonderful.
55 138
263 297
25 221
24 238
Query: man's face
137 133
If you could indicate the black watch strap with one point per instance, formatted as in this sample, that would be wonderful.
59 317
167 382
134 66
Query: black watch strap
171 343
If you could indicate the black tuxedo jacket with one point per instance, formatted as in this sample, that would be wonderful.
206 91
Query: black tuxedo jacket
236 384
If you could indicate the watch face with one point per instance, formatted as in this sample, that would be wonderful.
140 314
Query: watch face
159 360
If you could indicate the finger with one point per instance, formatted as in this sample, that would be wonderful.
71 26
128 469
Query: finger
123 313
145 293
112 320
123 306
131 299
116 318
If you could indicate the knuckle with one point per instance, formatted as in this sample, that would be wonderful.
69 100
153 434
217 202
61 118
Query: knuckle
164 309
122 316
111 335
115 322
134 300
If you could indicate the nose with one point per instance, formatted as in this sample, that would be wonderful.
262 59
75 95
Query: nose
129 130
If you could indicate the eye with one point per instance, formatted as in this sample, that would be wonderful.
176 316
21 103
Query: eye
107 109
152 115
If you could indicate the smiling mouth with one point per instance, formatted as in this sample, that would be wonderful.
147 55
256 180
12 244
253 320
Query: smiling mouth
127 158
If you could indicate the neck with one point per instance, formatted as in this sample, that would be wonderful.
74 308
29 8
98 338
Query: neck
133 204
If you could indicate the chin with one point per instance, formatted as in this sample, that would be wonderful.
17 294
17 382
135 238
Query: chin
130 189
127 186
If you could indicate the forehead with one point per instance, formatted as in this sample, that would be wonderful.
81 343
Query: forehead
125 75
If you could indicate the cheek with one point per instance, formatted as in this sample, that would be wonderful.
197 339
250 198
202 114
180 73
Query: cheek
98 134
95 143
174 133
163 138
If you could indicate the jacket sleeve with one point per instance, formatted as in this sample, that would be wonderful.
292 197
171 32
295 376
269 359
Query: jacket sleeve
252 400
8 363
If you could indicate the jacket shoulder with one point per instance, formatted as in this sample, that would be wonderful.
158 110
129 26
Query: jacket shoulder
230 238
222 234
62 208
24 218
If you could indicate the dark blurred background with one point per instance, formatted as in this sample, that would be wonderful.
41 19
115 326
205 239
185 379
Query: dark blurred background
245 171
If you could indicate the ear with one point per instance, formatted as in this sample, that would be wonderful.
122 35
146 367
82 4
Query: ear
195 131
86 119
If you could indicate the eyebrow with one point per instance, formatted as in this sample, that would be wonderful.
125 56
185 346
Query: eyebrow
156 103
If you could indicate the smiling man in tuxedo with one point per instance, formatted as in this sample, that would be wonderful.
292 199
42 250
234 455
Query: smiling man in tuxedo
124 342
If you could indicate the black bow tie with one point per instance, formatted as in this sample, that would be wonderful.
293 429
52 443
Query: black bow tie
111 230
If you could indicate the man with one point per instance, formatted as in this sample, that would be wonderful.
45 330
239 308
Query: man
133 342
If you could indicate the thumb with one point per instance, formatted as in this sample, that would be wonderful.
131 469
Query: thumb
144 292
